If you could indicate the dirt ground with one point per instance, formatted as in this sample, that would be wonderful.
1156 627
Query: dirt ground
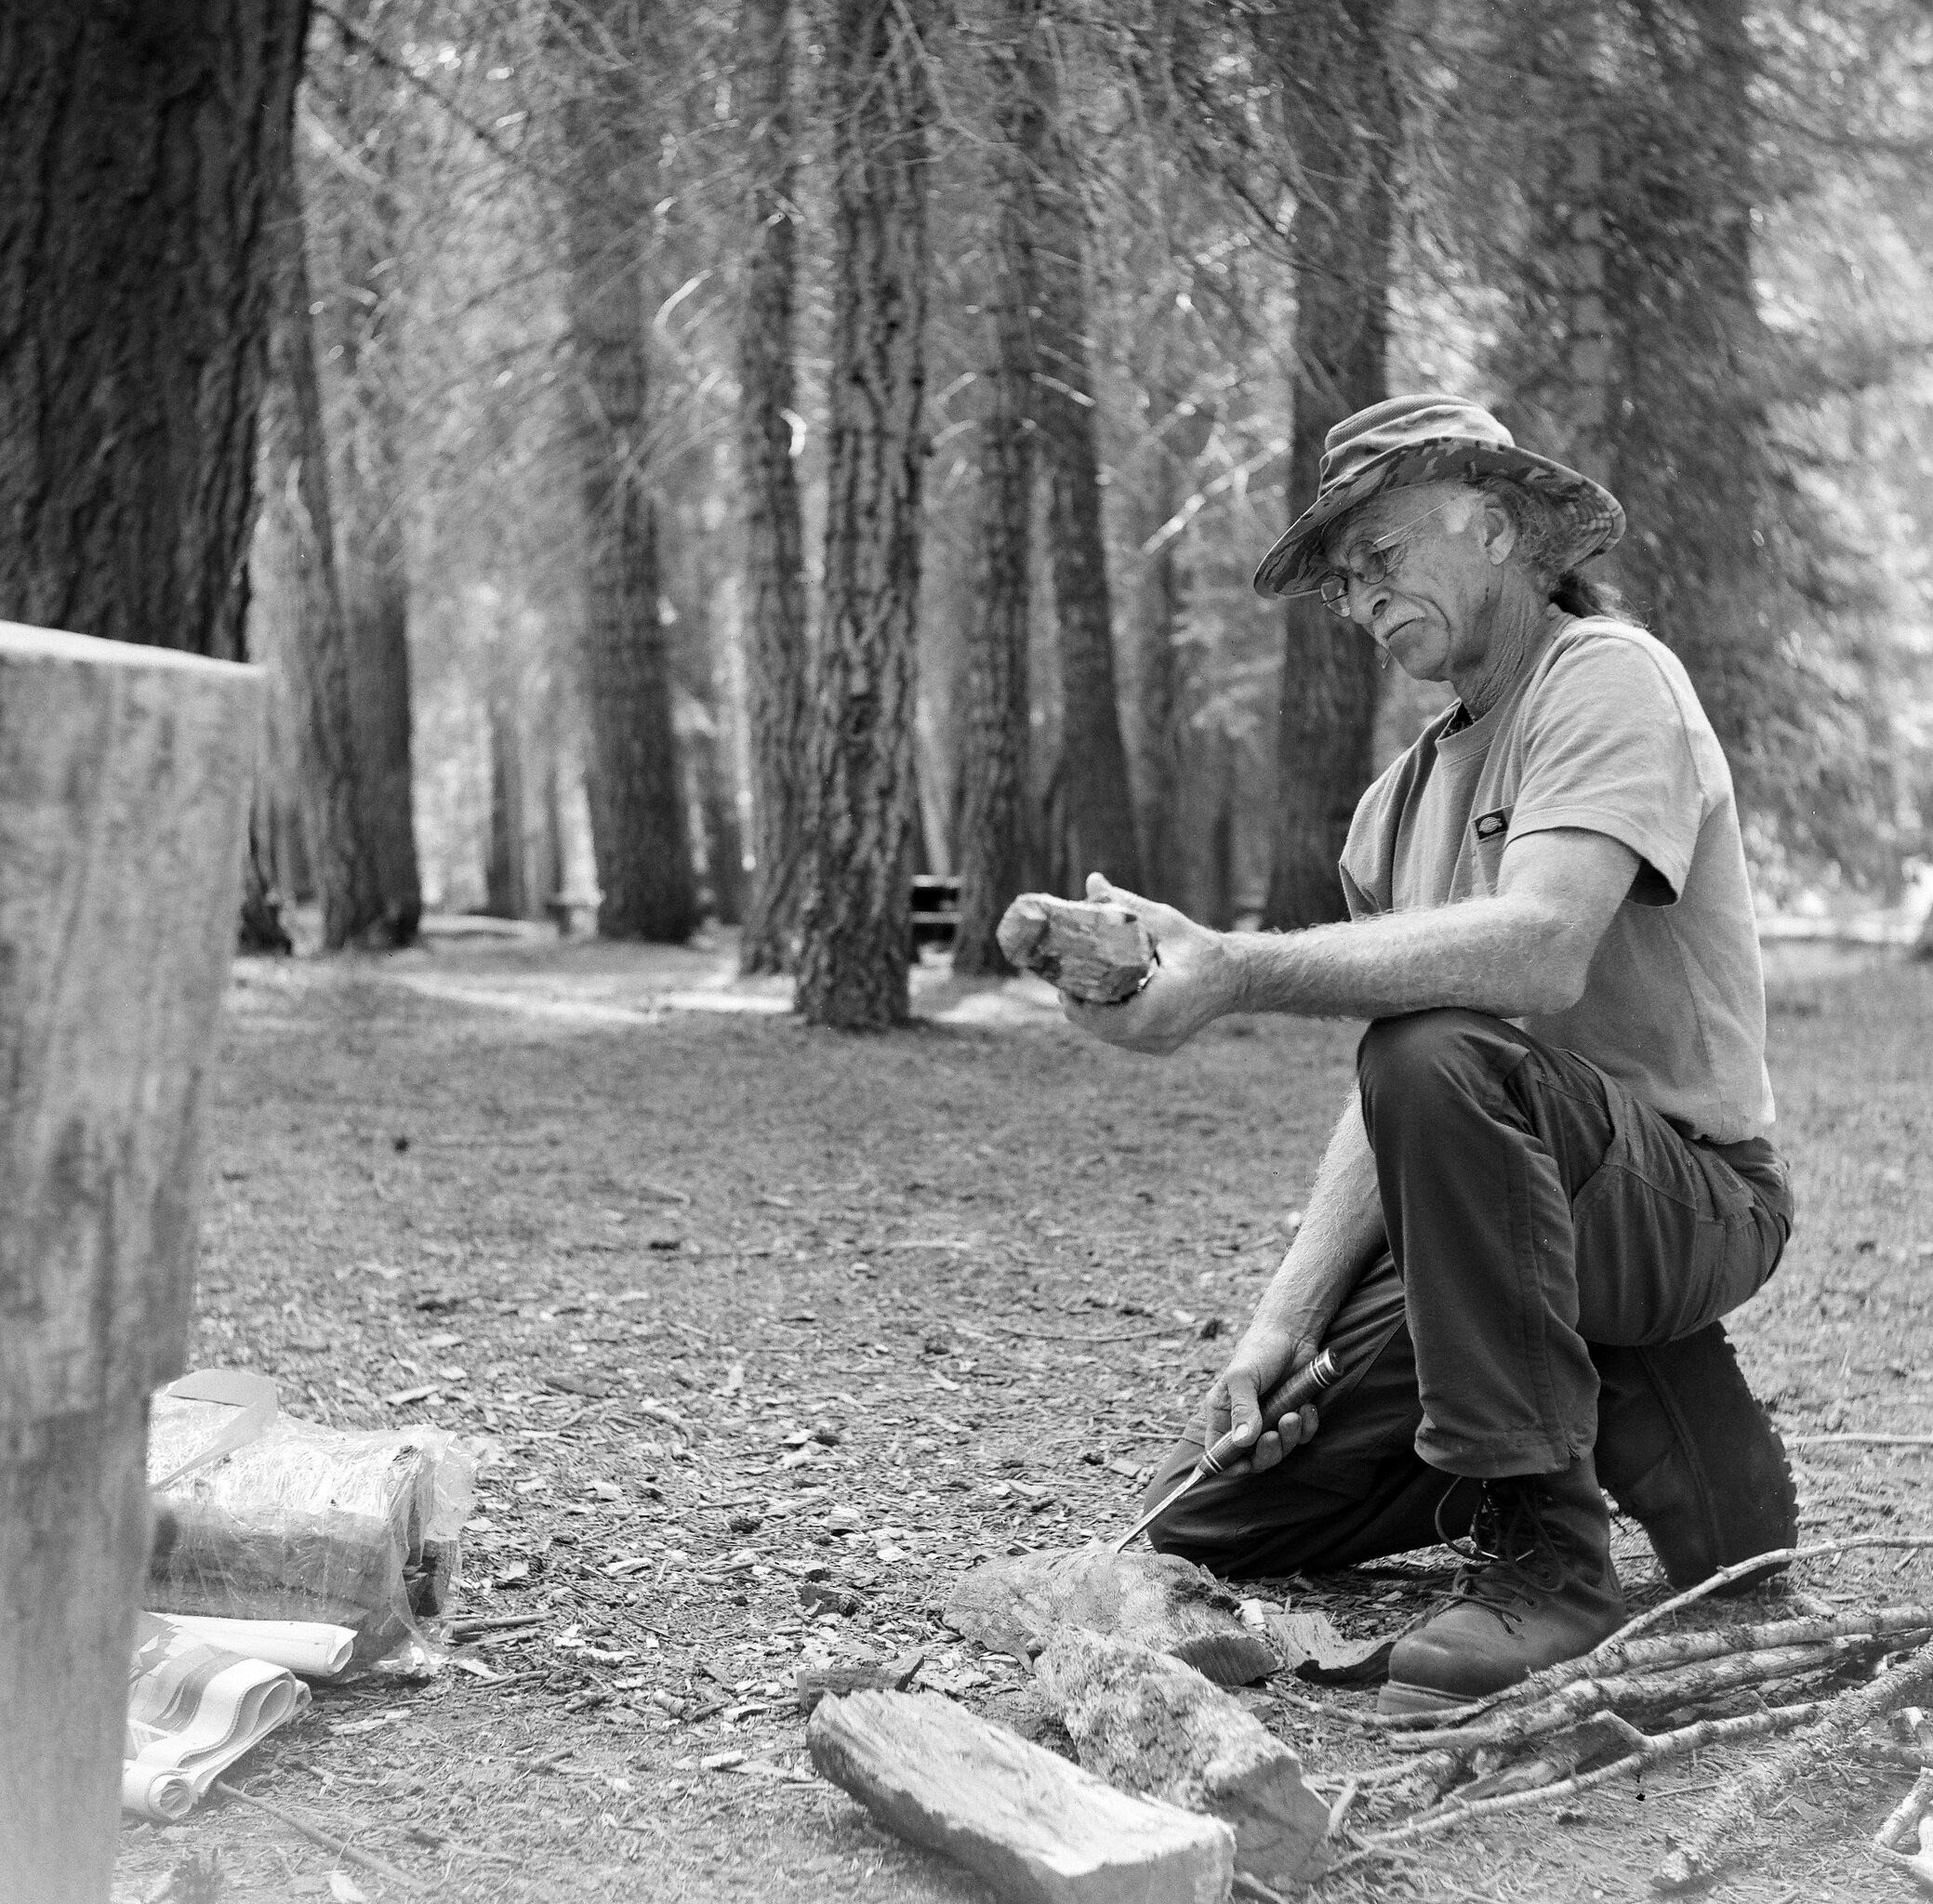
962 1282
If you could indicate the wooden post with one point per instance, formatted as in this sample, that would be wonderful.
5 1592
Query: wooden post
125 777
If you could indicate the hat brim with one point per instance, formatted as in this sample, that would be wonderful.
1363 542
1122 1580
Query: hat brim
1594 515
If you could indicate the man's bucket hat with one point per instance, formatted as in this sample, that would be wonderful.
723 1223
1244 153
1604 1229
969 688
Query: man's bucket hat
1433 437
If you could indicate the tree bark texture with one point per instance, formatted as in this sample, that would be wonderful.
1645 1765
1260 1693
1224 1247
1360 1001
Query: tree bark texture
294 564
779 698
1342 95
140 144
638 806
125 781
505 874
1161 697
1100 799
993 764
365 248
856 924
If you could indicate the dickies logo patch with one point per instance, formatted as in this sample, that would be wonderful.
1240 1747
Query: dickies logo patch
1490 824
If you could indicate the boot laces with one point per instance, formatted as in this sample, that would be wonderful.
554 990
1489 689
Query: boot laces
1512 1559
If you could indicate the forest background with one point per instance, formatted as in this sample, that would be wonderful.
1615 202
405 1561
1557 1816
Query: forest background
726 457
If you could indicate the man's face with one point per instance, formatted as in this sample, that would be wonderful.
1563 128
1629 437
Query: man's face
1421 575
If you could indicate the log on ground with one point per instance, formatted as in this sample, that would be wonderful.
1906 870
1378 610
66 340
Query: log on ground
1149 1724
1097 953
1038 1829
1158 1600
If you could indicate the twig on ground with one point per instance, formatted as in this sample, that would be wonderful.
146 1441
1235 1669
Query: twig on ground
341 1847
1622 1655
1340 1810
1905 1815
1647 1749
1055 1335
1682 1686
1743 1796
1859 1440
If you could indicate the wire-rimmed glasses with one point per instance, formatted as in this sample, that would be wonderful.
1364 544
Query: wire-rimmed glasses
1371 568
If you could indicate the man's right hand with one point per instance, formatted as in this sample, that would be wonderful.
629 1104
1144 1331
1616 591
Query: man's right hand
1234 1401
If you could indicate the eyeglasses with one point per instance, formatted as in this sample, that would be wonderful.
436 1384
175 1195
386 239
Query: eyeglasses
1374 566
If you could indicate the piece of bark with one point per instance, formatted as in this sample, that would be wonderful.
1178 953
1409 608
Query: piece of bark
814 1682
1313 1649
1149 1724
1038 1829
1100 954
1159 1600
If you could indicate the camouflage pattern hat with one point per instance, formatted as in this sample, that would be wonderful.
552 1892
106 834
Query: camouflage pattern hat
1431 438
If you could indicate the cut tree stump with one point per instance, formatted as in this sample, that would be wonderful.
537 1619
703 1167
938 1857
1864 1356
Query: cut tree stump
1038 1829
1149 1724
1159 1600
125 781
1100 954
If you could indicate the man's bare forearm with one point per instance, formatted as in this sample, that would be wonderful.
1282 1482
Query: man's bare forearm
1341 1230
1502 955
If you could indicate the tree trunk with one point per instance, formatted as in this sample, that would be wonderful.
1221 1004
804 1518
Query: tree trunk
778 699
993 765
139 146
1099 799
1159 696
367 248
638 808
856 923
294 564
1561 394
506 876
1344 130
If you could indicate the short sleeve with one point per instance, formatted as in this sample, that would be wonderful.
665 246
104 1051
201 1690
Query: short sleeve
1610 747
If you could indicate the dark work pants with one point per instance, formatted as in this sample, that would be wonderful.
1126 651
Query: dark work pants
1544 1227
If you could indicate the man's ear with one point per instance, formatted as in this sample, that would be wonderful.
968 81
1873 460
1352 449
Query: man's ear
1495 531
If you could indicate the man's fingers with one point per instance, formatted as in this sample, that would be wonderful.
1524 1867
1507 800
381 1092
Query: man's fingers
1244 1410
1099 888
1266 1452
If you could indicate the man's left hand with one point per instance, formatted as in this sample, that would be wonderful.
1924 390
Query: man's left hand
1196 980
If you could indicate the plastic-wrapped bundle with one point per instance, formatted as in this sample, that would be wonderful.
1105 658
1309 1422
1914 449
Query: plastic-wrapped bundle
355 1528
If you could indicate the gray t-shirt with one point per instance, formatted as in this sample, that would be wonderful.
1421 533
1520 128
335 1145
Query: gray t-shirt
1601 731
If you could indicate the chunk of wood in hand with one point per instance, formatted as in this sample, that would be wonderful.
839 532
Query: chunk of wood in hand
1149 1724
1100 954
1038 1829
813 1682
1159 1600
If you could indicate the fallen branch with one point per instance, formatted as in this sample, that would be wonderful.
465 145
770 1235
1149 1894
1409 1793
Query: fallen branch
340 1847
1859 1440
1611 1652
1684 1685
1905 1817
1743 1797
1649 1750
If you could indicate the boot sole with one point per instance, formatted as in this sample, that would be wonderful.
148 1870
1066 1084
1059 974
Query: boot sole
1398 1697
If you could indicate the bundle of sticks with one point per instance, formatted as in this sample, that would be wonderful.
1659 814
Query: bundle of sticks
1575 1726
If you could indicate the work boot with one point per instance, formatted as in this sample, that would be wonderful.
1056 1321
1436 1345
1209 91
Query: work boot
1538 1587
1686 1450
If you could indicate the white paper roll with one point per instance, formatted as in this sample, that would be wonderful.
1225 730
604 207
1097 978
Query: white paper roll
307 1647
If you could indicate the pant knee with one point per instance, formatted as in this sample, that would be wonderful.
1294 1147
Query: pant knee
1418 1050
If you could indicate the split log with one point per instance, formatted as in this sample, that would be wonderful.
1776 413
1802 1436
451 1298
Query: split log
1038 1829
1100 954
125 781
1149 1724
1158 1600
1738 1802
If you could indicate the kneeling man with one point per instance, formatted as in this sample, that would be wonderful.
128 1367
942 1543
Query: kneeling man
1553 1175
